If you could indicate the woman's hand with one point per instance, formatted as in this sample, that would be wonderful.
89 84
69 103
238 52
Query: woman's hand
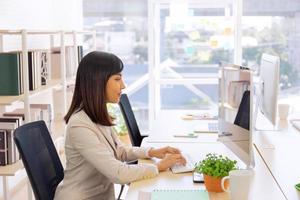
170 160
162 152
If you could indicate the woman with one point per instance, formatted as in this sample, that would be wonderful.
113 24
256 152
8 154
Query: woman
95 157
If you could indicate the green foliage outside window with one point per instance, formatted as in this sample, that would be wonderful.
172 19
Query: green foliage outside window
120 126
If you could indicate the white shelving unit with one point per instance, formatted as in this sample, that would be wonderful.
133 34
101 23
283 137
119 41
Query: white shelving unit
58 127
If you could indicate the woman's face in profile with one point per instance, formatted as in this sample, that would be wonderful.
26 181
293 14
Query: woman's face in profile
114 87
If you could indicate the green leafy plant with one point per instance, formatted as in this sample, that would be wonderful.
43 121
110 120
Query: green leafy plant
120 126
216 165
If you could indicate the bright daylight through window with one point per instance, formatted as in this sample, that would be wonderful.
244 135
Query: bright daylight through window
190 41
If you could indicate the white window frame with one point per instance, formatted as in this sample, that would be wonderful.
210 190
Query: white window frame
155 81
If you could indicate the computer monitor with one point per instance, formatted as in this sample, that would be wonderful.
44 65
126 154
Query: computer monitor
235 111
269 86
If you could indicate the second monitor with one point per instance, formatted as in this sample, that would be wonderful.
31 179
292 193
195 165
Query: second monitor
268 87
235 111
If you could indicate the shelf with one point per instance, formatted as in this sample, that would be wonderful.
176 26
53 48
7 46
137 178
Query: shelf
8 100
10 170
57 131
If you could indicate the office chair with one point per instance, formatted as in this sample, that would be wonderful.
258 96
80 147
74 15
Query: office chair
132 126
40 159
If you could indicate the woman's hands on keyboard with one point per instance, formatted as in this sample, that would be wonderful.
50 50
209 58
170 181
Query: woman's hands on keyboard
162 152
170 160
169 155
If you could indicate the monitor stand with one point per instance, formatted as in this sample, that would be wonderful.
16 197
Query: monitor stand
273 128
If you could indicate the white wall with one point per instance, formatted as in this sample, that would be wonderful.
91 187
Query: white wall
38 15
41 14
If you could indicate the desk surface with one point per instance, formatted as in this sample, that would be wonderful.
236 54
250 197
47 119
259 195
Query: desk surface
280 150
276 157
263 187
170 123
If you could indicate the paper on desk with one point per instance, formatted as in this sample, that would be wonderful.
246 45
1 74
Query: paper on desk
205 116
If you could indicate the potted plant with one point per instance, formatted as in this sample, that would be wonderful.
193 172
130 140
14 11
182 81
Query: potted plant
214 167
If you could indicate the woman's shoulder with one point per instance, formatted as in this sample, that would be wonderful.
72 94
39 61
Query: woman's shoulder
80 118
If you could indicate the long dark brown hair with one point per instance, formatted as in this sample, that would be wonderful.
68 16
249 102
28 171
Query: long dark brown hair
92 75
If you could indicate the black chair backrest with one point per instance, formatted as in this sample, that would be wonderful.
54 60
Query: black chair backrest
242 118
132 126
40 159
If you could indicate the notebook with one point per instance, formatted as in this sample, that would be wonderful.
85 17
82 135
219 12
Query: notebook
179 194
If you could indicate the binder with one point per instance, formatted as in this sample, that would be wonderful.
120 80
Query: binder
9 74
178 194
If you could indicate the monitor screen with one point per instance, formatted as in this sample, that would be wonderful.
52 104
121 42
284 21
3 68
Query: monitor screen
235 111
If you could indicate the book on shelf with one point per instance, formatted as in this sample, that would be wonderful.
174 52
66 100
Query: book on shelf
17 120
44 67
38 64
12 149
8 125
34 113
8 148
71 68
55 63
7 145
31 71
3 149
15 113
37 112
10 74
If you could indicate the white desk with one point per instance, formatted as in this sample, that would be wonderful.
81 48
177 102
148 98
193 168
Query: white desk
263 187
280 150
171 123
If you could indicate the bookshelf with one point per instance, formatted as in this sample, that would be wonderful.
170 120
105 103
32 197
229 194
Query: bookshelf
57 126
8 100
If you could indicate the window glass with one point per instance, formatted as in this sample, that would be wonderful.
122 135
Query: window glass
273 28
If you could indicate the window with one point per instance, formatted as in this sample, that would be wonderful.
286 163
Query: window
123 30
189 40
277 33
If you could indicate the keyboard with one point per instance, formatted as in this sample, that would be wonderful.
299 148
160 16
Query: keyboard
188 167
213 127
210 127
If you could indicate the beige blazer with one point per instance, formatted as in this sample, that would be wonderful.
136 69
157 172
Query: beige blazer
95 160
